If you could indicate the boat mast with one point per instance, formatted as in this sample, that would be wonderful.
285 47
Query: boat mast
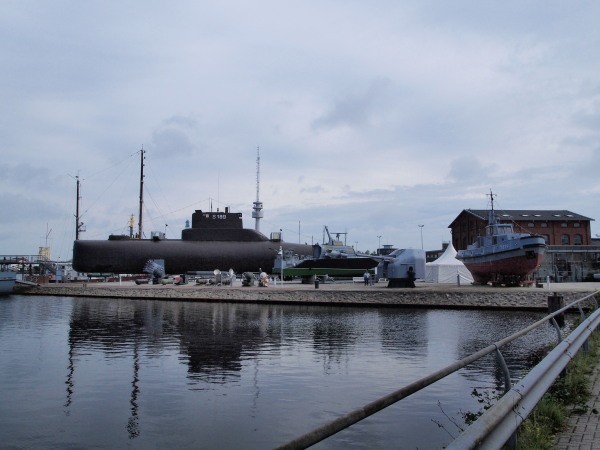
141 192
78 225
77 210
492 215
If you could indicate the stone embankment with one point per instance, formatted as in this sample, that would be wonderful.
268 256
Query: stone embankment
339 293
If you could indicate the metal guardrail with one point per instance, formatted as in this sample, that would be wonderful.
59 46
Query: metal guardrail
496 426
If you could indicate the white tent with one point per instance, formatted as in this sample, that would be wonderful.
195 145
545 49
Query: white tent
447 269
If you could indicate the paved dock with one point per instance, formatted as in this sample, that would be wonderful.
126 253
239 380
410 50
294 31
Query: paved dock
428 295
583 430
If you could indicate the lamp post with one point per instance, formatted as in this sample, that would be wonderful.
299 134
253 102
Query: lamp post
379 244
421 227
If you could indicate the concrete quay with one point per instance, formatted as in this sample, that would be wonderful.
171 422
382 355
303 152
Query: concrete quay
427 295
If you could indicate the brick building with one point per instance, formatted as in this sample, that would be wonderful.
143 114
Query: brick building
571 254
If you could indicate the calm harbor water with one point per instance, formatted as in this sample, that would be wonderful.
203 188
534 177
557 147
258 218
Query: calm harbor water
108 373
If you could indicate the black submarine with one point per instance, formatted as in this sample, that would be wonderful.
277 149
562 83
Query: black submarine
218 240
215 240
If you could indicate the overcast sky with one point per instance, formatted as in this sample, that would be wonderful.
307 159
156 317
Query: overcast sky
372 117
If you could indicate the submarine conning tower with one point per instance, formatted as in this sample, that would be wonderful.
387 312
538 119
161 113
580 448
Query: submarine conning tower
219 226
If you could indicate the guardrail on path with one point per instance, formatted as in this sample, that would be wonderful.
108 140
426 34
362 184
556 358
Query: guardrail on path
499 423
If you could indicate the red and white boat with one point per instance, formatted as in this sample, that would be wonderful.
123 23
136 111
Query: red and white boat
503 256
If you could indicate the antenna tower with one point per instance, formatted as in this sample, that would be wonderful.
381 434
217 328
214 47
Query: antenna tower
257 212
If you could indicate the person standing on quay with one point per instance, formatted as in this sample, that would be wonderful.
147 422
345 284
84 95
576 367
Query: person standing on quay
366 277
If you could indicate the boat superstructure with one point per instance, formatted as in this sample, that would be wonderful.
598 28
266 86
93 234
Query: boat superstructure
333 258
503 256
8 278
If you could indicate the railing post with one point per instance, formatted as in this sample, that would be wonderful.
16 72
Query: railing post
512 441
586 344
556 302
557 328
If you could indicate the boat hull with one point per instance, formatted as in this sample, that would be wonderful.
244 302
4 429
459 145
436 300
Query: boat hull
511 267
339 267
7 282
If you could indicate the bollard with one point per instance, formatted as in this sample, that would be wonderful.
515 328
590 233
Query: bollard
458 279
316 282
556 302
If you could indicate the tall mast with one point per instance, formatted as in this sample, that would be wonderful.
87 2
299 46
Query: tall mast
492 218
257 212
78 224
77 210
492 226
141 192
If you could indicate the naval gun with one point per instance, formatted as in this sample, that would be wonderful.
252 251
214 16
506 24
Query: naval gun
401 267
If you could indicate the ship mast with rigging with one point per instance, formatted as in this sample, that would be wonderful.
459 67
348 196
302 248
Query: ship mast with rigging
140 229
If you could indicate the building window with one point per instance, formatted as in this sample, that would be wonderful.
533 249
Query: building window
544 225
564 224
530 225
576 225
565 239
577 239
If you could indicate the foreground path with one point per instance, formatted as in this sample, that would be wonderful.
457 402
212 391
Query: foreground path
583 431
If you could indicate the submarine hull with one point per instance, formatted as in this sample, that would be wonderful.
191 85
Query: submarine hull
130 256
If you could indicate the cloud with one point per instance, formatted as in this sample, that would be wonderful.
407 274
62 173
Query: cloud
357 109
470 168
176 137
372 116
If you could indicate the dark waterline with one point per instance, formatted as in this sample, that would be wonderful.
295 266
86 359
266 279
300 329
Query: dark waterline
108 373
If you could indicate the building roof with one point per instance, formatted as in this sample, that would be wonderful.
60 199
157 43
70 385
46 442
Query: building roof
525 214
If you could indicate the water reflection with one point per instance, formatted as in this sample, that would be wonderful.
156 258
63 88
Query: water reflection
189 370
133 428
404 333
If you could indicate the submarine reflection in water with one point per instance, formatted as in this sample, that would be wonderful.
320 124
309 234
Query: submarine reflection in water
216 240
